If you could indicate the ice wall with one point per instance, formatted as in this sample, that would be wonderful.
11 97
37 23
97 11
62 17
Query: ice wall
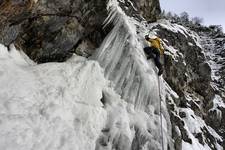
121 55
134 78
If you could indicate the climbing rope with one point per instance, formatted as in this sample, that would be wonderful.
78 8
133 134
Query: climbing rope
160 105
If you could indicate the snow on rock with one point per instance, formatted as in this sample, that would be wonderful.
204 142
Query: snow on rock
49 106
195 126
176 28
217 103
212 52
173 27
192 129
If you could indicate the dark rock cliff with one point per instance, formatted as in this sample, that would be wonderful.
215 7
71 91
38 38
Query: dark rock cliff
53 30
149 9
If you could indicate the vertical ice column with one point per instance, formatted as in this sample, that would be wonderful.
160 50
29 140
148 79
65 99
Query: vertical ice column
121 55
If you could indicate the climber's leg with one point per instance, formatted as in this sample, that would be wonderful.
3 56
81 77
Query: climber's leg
156 54
158 64
148 51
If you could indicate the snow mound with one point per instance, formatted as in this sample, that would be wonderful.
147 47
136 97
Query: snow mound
49 106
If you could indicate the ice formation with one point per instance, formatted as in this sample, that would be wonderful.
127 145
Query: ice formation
49 106
71 105
135 79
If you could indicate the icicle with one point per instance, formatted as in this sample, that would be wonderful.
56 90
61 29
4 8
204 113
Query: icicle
121 55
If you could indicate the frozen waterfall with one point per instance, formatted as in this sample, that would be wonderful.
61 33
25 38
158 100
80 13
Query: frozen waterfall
133 78
121 55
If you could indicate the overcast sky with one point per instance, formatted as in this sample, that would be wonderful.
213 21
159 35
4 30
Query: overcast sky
212 11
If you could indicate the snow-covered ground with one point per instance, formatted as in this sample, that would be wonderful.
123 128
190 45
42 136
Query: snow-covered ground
49 106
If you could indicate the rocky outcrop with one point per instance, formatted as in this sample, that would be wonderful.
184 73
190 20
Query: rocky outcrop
53 30
205 81
10 10
190 68
213 44
190 74
57 29
149 9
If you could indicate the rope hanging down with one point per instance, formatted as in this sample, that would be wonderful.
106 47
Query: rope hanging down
160 105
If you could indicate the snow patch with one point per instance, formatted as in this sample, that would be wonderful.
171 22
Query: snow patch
190 44
217 104
50 106
194 125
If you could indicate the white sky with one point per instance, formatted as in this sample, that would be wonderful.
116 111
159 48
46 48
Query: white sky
212 11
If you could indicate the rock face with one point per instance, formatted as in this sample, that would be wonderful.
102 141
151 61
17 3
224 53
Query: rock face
149 9
11 9
193 65
190 69
213 45
54 30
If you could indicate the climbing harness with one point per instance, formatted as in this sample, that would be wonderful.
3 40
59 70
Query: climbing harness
160 105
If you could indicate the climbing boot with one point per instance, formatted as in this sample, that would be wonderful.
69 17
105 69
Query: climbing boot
160 71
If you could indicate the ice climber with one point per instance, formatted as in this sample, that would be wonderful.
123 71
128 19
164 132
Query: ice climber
154 50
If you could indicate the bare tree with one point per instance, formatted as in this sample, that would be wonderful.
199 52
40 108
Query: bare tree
184 17
197 20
